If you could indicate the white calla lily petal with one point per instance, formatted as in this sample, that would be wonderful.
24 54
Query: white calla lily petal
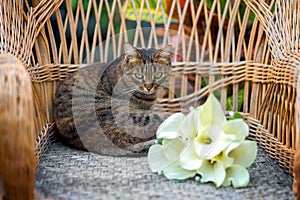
245 153
211 112
189 159
211 142
232 146
212 172
170 127
236 175
173 148
175 171
188 127
157 159
225 159
236 127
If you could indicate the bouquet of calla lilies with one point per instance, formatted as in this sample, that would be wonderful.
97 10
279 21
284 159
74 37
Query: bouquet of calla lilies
204 145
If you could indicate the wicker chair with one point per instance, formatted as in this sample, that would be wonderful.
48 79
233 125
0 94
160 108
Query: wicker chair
216 44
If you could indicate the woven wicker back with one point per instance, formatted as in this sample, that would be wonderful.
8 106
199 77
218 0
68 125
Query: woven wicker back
209 39
280 112
199 31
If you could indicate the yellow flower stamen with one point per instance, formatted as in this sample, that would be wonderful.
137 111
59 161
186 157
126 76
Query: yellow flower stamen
205 140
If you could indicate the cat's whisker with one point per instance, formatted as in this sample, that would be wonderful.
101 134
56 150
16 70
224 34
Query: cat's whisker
129 91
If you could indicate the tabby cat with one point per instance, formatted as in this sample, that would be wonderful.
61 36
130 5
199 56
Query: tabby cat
107 107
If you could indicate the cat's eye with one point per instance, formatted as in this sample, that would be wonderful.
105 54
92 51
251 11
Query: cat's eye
139 75
157 75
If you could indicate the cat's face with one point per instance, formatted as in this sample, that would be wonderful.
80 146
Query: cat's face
147 69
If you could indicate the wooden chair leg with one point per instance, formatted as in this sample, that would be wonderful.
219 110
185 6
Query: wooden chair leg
17 154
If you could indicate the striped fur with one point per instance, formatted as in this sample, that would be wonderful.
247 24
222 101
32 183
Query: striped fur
110 103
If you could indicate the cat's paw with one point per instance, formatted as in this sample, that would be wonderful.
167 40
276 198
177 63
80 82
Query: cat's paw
141 147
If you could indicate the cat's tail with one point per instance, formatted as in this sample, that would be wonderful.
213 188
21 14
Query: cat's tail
17 153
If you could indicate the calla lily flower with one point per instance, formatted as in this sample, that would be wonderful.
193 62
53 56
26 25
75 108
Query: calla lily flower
169 129
215 133
236 127
176 172
236 175
212 171
204 142
189 159
165 158
229 167
243 156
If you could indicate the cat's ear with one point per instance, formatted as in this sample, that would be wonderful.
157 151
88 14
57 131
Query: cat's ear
163 55
131 53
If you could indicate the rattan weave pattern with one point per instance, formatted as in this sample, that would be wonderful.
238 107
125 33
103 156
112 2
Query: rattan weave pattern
65 173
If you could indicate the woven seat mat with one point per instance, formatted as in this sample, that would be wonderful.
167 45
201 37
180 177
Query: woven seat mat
65 173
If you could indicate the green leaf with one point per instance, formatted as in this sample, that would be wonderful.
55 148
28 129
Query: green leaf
229 105
209 4
85 5
74 4
253 165
131 14
160 140
152 3
236 115
243 8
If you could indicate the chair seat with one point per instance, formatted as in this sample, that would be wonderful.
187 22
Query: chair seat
65 173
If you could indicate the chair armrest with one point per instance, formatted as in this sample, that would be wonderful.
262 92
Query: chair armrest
17 140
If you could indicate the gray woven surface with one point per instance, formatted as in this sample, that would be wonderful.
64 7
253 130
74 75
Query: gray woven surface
65 173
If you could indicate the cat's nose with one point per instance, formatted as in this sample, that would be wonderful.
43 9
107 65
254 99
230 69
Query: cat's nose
148 86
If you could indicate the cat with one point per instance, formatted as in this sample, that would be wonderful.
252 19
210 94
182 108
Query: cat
106 108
